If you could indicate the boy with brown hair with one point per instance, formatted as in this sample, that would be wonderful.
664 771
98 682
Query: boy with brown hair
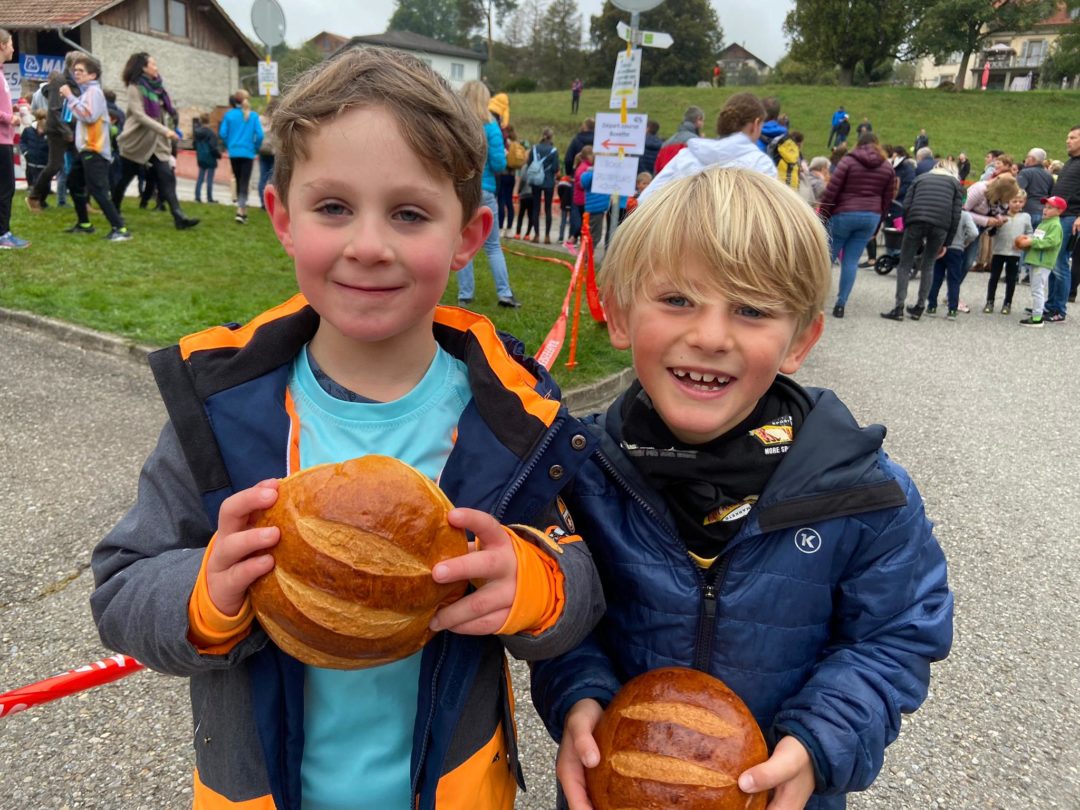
376 196
741 524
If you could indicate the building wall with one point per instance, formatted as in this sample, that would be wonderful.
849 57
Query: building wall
927 74
443 65
197 80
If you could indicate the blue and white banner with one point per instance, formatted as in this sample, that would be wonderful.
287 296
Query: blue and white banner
13 79
38 66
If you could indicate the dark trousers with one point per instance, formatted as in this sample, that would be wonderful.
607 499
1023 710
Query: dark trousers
547 194
7 185
504 199
163 176
930 238
90 175
950 269
241 169
524 207
1011 266
575 99
58 146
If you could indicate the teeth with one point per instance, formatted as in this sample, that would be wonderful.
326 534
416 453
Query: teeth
697 376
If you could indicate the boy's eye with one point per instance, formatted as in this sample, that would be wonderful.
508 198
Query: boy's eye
747 311
675 300
410 215
332 209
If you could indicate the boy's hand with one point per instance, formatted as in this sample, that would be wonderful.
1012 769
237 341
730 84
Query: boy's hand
492 566
788 772
236 560
578 751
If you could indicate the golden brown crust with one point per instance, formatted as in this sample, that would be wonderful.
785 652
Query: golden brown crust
675 737
351 585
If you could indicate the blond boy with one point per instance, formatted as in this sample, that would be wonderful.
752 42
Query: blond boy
377 200
742 524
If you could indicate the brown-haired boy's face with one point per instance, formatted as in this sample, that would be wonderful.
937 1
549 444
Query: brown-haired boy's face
703 359
374 234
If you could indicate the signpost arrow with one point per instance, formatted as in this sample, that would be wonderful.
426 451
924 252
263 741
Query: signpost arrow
650 39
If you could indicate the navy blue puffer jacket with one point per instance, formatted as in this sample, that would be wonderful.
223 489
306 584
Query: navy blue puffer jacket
824 614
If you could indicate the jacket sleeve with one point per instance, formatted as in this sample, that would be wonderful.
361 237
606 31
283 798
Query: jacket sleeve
562 598
893 618
558 683
496 157
145 570
956 208
832 191
259 134
138 115
976 197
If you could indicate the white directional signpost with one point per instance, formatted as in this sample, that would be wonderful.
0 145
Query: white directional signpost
619 135
268 20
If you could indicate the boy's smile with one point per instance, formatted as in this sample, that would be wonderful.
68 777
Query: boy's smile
374 233
703 359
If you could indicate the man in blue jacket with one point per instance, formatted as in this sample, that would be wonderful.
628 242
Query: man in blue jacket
741 524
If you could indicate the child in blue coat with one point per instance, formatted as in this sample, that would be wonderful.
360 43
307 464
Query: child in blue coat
744 525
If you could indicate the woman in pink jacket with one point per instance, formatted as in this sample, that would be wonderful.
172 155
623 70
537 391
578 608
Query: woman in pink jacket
8 119
857 197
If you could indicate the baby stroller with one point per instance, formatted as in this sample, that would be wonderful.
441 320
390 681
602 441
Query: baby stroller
893 234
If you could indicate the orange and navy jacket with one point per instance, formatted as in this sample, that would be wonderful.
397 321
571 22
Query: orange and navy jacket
230 426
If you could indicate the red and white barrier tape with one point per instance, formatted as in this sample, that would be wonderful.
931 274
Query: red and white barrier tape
76 680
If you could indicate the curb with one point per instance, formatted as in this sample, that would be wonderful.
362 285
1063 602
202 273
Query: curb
580 401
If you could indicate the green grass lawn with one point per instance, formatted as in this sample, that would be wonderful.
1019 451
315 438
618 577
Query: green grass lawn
971 121
167 283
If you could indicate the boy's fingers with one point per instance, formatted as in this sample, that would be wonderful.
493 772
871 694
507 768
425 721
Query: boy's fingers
571 776
486 564
486 528
236 510
486 608
788 760
232 548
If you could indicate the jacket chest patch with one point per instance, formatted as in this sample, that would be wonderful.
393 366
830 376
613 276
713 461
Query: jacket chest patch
808 541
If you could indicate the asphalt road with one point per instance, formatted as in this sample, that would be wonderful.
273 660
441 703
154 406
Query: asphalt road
979 410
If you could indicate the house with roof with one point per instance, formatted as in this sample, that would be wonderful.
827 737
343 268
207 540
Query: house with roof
455 64
737 61
197 46
1011 60
327 43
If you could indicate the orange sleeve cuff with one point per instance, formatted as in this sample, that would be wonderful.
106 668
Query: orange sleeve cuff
540 596
210 630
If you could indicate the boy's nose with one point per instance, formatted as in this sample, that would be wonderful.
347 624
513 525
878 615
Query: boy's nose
367 243
710 332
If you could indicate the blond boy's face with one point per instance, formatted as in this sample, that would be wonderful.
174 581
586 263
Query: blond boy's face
374 234
703 359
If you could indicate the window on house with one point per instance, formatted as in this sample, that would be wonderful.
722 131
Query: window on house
169 17
1034 50
457 70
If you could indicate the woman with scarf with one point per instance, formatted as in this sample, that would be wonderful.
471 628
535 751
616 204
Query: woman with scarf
242 135
146 140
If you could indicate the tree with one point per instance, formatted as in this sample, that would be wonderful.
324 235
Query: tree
951 26
559 44
479 14
438 19
693 25
847 33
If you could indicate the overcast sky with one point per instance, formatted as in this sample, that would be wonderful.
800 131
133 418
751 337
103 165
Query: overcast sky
756 24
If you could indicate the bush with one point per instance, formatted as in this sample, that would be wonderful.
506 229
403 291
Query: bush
521 85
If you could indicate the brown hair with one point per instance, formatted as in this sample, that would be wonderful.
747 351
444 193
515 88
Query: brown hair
1001 189
739 110
871 139
434 121
89 63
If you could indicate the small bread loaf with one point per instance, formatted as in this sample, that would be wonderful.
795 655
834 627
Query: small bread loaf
675 738
1022 242
351 585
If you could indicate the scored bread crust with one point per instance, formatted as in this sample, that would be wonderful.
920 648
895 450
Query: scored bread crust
675 737
351 585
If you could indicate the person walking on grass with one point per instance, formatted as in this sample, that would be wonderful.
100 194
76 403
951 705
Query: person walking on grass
242 134
60 135
8 240
89 173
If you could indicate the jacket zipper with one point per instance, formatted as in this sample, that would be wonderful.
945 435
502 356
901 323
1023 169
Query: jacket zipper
427 726
710 586
534 460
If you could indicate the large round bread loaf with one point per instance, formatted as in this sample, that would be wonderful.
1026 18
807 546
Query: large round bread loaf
351 585
675 738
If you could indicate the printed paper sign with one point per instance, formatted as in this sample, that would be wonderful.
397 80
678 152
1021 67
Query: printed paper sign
268 84
627 78
615 175
611 133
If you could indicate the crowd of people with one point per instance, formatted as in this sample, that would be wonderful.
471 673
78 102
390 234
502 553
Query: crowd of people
75 140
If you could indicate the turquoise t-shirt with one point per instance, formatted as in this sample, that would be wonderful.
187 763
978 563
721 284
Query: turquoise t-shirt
358 725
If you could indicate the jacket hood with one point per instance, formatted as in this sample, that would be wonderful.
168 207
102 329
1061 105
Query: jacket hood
868 155
770 129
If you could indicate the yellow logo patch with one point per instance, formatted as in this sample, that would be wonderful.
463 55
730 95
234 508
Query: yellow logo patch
771 435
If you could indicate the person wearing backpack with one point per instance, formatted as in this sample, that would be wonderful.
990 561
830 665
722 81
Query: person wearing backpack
540 168
516 154
786 153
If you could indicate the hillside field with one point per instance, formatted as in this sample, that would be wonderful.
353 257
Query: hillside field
970 121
